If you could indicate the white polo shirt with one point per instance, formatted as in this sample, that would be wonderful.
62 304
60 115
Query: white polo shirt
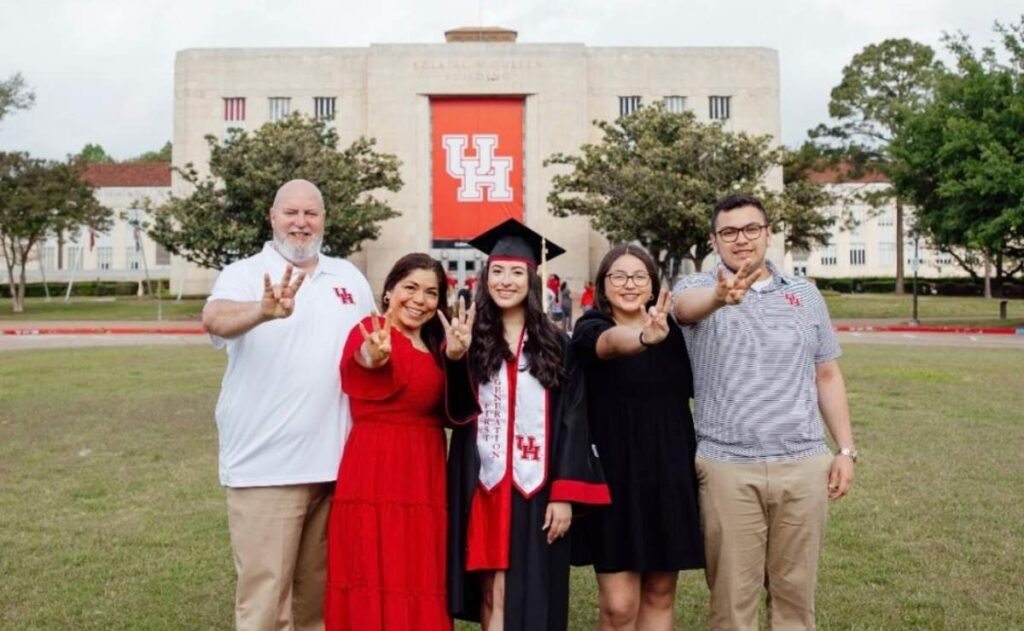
281 416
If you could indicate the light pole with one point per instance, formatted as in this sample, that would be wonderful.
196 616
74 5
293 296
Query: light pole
915 265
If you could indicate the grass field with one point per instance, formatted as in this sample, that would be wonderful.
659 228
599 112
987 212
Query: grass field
101 309
111 516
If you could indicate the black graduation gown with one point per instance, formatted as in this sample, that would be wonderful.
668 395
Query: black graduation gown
537 580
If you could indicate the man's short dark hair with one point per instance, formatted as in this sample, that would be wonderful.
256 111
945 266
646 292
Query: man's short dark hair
734 201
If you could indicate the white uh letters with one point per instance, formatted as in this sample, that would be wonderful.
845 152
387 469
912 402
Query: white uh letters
485 171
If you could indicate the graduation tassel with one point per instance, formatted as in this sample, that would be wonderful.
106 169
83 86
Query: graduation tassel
544 274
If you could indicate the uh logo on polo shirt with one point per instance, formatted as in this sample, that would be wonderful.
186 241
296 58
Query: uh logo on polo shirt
281 416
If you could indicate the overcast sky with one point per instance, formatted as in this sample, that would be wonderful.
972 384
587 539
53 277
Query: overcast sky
103 70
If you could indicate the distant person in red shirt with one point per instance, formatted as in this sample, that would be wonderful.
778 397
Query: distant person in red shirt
587 297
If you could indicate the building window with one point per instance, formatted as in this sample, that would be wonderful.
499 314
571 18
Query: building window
858 254
943 258
280 107
828 255
675 104
886 253
887 217
104 257
718 107
133 258
234 109
75 254
48 257
628 104
163 257
323 107
857 222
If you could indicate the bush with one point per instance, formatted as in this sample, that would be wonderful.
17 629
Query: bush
91 288
925 286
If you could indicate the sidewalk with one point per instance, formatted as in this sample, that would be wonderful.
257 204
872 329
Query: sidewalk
93 327
149 327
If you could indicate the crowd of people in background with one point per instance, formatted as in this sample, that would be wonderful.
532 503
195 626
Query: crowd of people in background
349 509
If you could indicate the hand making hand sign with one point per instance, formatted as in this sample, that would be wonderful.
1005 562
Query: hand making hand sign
278 301
733 289
376 348
458 332
655 329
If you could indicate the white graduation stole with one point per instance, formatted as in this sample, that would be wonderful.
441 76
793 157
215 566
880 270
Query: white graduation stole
516 429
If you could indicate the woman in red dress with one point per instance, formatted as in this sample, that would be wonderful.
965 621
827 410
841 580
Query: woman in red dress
386 534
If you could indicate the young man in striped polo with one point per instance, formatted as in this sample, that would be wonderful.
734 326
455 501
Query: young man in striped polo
765 375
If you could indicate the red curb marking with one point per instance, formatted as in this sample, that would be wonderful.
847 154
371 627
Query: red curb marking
102 331
907 328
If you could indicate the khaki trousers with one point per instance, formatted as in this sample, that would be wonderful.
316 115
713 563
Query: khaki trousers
278 537
763 528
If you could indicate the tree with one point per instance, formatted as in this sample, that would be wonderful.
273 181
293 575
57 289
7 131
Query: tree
94 154
161 155
803 223
15 95
38 198
225 218
961 157
880 87
656 175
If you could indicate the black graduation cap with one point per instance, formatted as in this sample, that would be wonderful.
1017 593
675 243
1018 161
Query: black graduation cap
512 239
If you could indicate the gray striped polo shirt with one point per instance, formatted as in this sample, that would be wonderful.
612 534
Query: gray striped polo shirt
754 371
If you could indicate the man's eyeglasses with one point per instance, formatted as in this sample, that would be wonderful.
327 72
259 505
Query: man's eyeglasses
618 279
750 231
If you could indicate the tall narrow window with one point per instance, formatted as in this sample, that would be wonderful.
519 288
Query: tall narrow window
49 257
828 255
628 104
280 107
718 107
133 258
75 254
234 109
323 107
104 257
858 254
886 253
675 104
163 257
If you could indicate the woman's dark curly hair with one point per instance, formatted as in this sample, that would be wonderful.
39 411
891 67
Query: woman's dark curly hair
432 332
489 351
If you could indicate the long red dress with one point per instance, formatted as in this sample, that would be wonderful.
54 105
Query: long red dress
386 534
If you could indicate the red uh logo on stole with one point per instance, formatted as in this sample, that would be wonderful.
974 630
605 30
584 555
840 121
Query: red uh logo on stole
793 299
528 447
344 296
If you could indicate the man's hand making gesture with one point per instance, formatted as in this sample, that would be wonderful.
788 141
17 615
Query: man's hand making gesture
459 331
733 289
279 300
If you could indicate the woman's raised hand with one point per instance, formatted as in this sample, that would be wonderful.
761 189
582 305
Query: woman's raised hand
376 348
459 331
655 329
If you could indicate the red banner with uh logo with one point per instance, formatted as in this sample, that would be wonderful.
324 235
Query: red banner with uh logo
477 164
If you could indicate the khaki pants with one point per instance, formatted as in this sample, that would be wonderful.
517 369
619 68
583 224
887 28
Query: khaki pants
763 527
279 536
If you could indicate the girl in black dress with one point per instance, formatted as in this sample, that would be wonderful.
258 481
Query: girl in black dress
639 386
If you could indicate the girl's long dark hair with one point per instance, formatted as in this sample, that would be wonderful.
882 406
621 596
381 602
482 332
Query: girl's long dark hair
432 332
489 352
614 254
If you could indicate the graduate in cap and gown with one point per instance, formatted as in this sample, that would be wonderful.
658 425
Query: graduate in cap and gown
521 465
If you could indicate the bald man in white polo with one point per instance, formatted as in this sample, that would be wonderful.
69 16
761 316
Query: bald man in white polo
281 416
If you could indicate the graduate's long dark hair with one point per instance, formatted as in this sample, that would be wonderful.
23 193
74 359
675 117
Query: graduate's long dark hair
432 333
489 352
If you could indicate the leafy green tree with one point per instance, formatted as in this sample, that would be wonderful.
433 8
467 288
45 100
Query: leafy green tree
655 176
161 155
880 87
93 153
37 198
961 158
15 95
225 218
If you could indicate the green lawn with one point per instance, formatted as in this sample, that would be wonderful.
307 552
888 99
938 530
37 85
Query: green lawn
101 309
931 309
111 516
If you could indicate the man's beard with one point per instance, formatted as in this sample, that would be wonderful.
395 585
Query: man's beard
297 254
